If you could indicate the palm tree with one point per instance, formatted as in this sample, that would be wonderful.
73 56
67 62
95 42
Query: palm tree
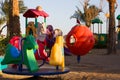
4 7
78 15
5 10
90 12
2 20
112 34
2 16
14 23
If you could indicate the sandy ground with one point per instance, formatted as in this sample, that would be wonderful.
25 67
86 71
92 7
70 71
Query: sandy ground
93 66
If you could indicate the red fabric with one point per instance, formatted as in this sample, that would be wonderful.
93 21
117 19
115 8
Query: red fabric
15 41
41 54
84 40
32 13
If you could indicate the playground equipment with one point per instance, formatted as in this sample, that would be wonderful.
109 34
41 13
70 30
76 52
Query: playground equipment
2 66
25 56
31 28
101 38
118 28
80 40
28 51
118 32
57 59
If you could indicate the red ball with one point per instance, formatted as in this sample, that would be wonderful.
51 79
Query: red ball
80 40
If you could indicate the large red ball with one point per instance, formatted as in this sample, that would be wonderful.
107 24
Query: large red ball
80 40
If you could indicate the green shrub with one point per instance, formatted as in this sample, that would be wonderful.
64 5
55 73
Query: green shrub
3 44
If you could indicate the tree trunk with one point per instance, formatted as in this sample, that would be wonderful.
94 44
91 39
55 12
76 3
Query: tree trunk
112 33
86 13
14 23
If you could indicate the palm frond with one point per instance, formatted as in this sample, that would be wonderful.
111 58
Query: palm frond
78 15
22 7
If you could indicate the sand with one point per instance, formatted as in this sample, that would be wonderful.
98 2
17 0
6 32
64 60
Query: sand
93 66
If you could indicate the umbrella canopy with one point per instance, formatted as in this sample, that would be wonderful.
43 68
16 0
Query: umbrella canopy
32 13
118 17
96 20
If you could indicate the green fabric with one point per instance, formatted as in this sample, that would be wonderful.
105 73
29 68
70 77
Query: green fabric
30 61
29 45
8 59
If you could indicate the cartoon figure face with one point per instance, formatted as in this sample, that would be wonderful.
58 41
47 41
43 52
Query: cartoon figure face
57 32
72 40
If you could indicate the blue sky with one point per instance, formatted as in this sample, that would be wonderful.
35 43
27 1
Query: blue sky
60 11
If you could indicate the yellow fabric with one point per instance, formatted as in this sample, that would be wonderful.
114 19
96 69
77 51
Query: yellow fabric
57 53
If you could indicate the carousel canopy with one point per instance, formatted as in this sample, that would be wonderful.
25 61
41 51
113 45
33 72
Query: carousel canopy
32 13
118 17
97 20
